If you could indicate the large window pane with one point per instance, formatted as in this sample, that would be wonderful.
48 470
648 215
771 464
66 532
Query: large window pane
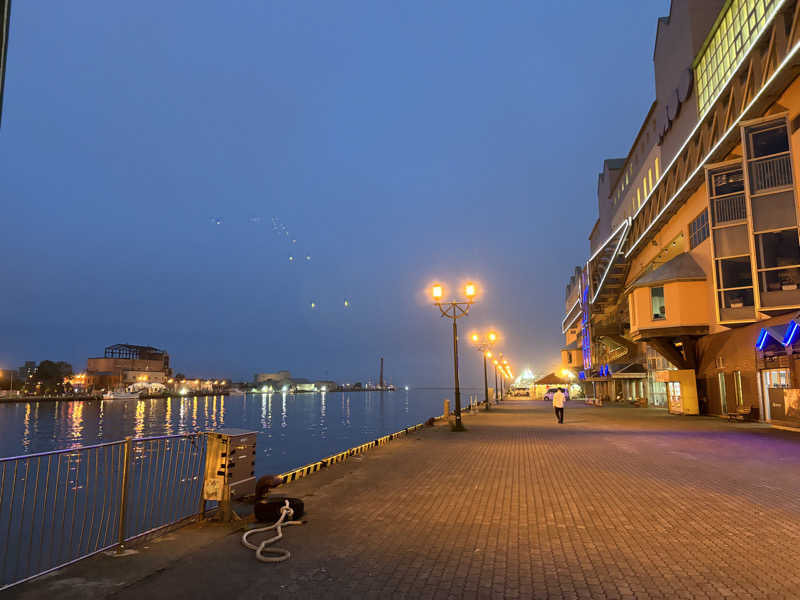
778 249
727 182
779 280
734 272
731 241
767 139
657 302
773 211
737 299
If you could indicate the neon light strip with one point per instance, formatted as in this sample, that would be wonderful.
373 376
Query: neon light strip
789 338
608 239
762 339
569 312
622 239
700 122
564 328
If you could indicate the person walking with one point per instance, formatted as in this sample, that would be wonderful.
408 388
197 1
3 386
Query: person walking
558 404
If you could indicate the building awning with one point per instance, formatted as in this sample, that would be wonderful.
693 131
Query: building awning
785 334
681 268
552 379
571 346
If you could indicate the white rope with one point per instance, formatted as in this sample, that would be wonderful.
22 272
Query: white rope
277 554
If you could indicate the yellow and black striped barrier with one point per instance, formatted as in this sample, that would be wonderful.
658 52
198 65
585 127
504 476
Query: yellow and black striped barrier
306 470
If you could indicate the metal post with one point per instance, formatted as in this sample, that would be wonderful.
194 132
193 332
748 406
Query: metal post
123 492
502 389
485 383
458 426
495 382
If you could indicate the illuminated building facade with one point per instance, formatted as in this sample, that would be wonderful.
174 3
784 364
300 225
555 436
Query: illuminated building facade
125 364
697 268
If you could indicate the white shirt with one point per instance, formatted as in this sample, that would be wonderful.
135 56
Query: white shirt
558 399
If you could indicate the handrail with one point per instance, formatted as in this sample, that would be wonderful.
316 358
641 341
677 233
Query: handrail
61 506
100 445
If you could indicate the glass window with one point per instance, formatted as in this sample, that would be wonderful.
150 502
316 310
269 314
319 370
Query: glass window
778 249
768 139
657 302
658 169
731 241
736 299
698 229
777 280
773 211
729 181
742 22
650 177
734 272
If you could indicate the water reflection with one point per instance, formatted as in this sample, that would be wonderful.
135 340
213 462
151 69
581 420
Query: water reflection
138 424
26 435
311 426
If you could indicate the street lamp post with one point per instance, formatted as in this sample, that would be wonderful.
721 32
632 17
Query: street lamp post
483 346
454 311
495 380
504 370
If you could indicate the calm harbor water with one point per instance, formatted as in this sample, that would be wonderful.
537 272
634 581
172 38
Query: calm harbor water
293 430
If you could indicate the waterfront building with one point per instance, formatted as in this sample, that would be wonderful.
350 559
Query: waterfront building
692 280
196 386
127 364
325 385
274 378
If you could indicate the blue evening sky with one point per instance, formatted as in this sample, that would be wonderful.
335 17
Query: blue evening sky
397 143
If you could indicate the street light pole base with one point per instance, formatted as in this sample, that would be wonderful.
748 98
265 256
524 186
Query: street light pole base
457 427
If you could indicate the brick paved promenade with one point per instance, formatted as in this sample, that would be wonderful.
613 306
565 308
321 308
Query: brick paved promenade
615 503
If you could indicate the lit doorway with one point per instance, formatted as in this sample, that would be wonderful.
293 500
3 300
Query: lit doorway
773 378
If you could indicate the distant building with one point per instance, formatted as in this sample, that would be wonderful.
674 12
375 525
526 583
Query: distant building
126 364
326 385
272 377
302 385
27 370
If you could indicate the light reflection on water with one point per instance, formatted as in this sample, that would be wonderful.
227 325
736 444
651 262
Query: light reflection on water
311 426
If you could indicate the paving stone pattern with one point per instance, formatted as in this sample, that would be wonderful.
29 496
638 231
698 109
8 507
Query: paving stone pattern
615 503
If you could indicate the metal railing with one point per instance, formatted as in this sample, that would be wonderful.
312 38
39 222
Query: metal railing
729 208
59 507
770 172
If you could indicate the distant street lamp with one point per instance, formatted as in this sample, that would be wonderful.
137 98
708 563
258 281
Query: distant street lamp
495 379
483 346
454 310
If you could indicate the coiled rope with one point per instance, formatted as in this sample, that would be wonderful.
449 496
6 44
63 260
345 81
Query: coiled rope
263 553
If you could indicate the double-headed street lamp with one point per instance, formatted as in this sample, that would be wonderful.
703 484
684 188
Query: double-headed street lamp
454 311
483 346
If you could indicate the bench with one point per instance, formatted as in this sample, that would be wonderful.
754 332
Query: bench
741 414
